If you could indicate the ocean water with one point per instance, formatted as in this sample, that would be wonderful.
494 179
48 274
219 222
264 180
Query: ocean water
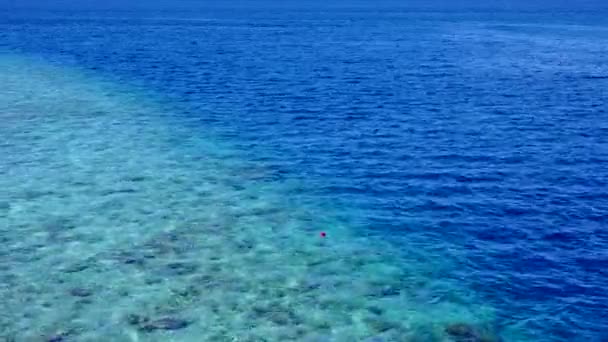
165 176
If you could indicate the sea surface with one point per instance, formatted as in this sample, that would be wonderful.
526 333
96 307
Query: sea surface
167 176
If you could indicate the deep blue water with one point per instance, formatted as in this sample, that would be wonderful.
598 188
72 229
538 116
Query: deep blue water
482 134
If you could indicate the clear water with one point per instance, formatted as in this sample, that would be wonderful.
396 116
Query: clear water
166 176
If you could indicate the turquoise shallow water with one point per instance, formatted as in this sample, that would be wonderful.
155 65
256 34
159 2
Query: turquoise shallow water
117 217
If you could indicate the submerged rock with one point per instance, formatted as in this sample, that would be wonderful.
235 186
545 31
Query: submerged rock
463 332
77 267
57 224
128 258
61 336
80 292
389 291
133 261
276 313
375 310
30 194
384 291
166 323
380 325
136 178
181 268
